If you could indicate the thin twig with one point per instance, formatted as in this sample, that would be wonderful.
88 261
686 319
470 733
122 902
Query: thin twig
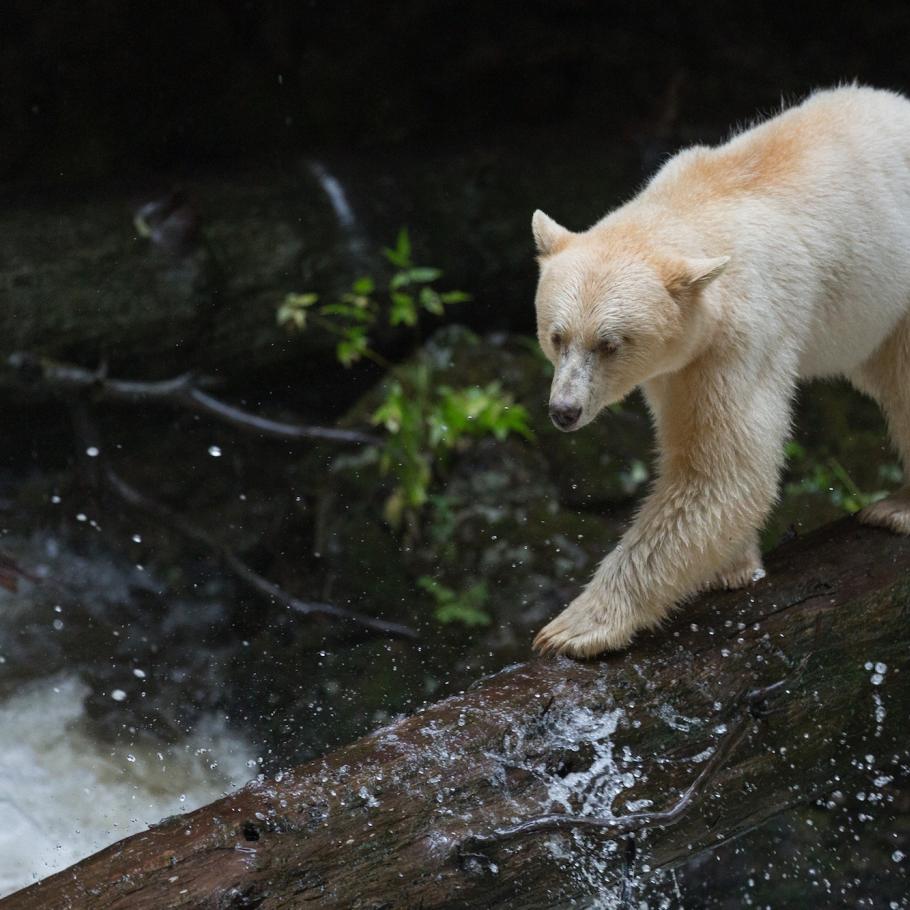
253 580
616 826
186 391
106 475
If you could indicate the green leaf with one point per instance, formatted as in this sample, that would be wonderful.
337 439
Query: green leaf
358 301
390 413
476 411
467 608
403 243
467 616
352 346
364 286
403 310
464 607
400 256
454 297
431 301
430 585
291 317
347 310
300 300
423 275
292 311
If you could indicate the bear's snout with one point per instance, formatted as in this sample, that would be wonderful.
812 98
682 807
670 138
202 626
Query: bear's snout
565 414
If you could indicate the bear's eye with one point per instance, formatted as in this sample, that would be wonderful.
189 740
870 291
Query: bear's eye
607 346
556 340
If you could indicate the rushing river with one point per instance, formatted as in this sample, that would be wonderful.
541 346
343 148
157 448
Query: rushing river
65 794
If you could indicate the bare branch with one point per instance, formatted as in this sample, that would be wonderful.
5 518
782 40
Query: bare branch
253 580
627 824
186 391
102 473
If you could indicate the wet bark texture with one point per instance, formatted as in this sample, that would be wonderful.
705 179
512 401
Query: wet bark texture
385 822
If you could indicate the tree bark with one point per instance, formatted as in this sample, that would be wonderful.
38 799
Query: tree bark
747 704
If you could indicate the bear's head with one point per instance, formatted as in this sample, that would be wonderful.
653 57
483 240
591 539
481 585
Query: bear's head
614 311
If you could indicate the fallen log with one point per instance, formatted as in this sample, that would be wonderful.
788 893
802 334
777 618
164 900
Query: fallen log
745 705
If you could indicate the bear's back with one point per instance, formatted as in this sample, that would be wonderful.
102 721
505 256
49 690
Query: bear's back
833 132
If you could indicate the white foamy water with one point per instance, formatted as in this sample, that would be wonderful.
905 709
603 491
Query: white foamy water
64 795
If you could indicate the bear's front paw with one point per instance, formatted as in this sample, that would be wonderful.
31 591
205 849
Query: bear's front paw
742 572
892 513
591 624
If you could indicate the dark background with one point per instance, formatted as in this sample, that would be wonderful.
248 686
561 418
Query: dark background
96 90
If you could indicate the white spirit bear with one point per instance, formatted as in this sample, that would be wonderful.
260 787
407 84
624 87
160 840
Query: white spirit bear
739 270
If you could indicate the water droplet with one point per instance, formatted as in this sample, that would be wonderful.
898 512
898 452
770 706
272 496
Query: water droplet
118 695
139 674
215 451
93 451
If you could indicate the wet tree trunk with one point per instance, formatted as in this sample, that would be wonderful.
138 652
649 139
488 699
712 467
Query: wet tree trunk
388 821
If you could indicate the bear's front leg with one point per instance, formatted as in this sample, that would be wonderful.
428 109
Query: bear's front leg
604 617
716 484
670 553
745 569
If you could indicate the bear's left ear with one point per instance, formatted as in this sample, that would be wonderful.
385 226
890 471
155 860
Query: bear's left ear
693 274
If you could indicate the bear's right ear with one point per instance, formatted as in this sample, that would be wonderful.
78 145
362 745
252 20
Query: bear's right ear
681 275
548 235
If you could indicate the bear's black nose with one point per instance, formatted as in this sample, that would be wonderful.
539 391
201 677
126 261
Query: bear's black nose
564 415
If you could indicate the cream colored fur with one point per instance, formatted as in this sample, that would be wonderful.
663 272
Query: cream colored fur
782 255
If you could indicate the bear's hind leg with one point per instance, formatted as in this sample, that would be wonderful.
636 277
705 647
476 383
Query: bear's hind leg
886 377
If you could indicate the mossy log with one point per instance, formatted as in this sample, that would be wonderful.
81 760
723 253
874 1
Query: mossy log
408 816
191 280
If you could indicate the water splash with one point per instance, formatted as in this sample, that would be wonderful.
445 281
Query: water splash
64 794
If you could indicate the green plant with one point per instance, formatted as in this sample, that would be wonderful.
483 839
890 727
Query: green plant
828 477
465 607
424 418
409 291
426 421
